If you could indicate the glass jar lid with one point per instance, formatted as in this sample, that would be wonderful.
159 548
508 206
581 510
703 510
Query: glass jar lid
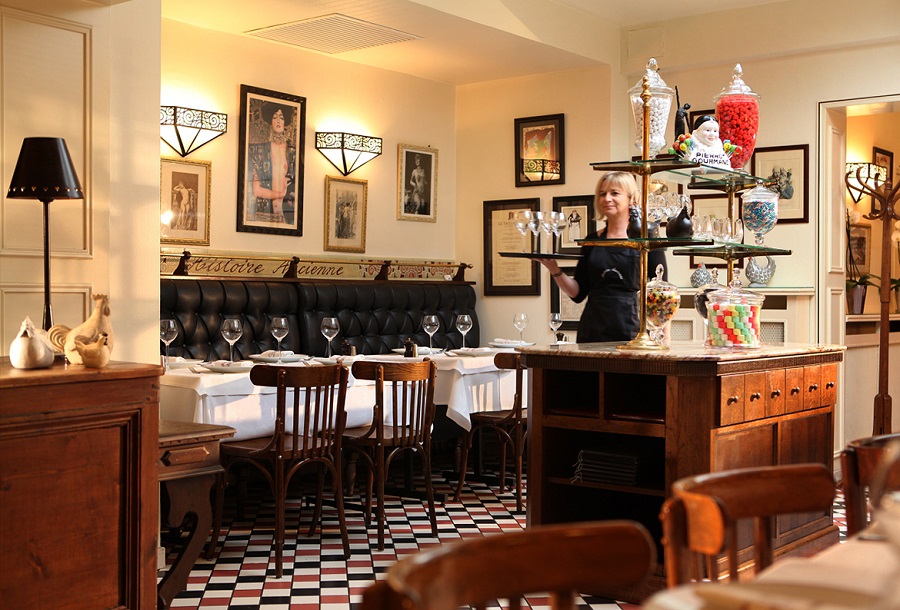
734 294
657 84
759 193
737 86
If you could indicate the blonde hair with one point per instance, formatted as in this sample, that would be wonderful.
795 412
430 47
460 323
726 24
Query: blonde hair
624 181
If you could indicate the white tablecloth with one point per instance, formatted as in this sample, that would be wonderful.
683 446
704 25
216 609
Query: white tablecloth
465 384
857 574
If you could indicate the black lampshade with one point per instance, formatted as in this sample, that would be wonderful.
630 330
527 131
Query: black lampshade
44 171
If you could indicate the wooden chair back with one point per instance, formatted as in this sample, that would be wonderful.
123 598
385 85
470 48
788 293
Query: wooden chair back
512 361
317 421
860 460
405 392
700 520
560 559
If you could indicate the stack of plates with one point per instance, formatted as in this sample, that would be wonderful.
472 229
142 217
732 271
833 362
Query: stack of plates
605 467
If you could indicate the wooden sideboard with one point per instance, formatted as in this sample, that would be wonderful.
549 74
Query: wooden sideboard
657 416
78 486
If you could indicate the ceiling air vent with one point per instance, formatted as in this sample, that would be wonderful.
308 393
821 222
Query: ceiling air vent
334 33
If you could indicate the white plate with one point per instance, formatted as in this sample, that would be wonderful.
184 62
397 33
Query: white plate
291 358
234 368
420 350
345 360
472 352
184 363
510 344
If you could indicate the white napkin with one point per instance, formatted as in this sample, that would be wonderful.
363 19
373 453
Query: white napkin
499 341
228 363
176 359
274 353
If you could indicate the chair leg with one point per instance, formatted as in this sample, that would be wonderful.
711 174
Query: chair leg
429 491
320 489
338 490
518 449
217 516
379 482
279 518
463 463
502 437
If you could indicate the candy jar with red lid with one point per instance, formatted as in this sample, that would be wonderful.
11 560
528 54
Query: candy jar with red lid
737 111
662 303
661 96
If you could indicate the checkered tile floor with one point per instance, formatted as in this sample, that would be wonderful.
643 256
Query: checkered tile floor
316 577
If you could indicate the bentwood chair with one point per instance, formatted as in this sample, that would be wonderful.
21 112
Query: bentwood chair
509 425
860 460
403 415
701 519
562 560
313 438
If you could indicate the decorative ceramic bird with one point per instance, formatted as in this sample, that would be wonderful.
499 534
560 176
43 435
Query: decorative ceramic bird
701 276
94 355
759 276
88 331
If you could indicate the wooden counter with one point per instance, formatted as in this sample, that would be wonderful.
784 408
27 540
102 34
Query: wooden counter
78 486
657 416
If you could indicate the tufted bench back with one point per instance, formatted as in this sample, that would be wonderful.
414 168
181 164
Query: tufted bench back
375 316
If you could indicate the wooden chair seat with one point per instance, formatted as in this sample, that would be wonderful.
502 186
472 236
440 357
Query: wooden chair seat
560 559
860 460
508 424
700 520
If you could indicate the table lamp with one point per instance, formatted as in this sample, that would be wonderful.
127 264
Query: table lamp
45 172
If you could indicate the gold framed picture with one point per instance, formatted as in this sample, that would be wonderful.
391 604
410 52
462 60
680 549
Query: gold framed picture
345 214
184 201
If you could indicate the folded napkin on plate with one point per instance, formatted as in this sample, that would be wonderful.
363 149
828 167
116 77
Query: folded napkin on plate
499 341
274 353
228 363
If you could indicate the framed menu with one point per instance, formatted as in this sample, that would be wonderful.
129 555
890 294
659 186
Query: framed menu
504 275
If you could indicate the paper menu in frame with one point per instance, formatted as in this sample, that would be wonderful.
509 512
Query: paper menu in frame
503 275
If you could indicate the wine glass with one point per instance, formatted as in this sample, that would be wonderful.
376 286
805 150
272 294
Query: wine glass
535 222
555 322
431 324
330 328
232 331
167 333
464 325
520 321
279 331
521 219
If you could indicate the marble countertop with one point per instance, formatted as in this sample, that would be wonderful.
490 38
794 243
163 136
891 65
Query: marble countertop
679 350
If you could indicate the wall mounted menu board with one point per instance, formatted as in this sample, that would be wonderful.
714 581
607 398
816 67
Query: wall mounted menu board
503 275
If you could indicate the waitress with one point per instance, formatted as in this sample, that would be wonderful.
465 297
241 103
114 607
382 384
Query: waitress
609 278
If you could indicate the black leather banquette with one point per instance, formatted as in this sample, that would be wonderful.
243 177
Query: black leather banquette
375 316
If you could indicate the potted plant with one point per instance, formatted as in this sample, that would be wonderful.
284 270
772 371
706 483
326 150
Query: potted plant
856 282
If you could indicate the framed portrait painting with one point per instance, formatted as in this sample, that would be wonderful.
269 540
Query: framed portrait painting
417 183
345 214
270 162
505 275
786 171
184 201
860 244
578 211
884 158
569 311
540 150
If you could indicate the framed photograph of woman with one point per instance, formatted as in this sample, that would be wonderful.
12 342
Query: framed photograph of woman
184 202
578 212
270 162
345 214
417 183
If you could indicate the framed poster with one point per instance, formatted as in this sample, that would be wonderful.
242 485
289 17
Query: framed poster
860 244
884 158
417 183
345 214
270 162
540 150
578 211
502 275
713 206
569 310
184 201
693 115
786 171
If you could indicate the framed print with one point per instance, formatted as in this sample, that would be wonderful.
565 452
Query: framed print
417 183
569 310
884 158
786 171
184 201
345 214
270 162
578 211
502 275
861 246
693 115
713 206
540 150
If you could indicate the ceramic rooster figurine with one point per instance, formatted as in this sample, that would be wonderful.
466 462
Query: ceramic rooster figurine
88 332
94 355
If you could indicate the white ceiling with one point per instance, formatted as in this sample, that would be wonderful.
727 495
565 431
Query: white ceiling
454 48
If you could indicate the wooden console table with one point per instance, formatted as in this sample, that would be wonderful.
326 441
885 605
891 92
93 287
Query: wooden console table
188 468
78 488
657 416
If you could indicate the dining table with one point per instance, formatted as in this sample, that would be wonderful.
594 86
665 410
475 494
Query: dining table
862 573
467 381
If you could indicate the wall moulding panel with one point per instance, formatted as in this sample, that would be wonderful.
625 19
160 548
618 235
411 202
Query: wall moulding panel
72 305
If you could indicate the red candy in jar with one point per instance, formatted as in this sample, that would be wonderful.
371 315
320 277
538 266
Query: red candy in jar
737 110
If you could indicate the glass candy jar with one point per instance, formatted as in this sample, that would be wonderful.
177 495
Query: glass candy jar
662 303
733 317
760 211
661 96
706 282
737 111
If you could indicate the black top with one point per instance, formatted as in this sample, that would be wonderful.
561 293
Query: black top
608 279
